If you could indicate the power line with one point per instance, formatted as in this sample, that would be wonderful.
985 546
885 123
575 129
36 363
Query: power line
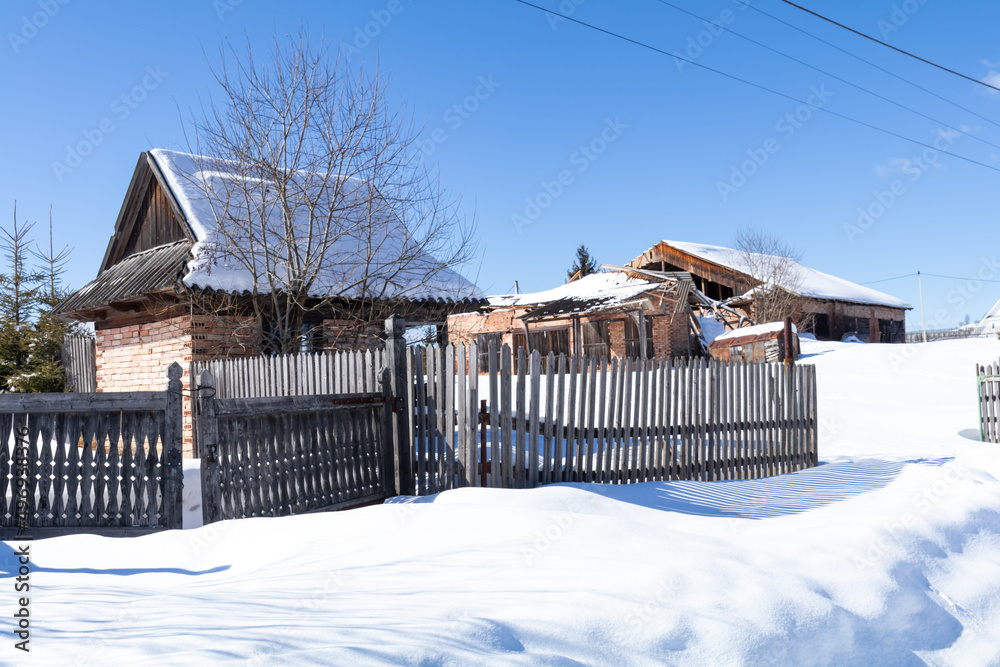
834 76
868 62
757 85
885 280
931 275
980 280
878 41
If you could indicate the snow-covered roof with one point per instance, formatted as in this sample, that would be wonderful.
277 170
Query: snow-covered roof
208 189
755 330
596 291
990 323
810 282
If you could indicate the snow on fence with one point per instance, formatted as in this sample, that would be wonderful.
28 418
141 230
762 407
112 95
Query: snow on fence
80 462
273 456
989 402
588 420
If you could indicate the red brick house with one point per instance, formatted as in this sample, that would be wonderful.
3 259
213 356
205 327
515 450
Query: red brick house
607 314
156 269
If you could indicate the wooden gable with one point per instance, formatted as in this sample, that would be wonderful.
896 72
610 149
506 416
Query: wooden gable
149 217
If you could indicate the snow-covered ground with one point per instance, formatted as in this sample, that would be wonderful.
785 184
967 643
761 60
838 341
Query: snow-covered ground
886 554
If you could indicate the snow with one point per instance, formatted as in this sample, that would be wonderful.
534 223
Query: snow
609 288
809 282
208 190
755 330
888 553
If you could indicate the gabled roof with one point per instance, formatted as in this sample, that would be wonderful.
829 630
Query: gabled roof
204 190
811 283
176 252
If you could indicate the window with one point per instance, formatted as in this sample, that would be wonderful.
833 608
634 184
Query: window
633 342
483 346
596 341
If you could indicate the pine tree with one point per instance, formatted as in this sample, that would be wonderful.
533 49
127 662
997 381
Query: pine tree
584 264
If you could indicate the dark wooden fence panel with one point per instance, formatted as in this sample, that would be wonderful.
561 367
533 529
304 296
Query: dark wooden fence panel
280 455
89 461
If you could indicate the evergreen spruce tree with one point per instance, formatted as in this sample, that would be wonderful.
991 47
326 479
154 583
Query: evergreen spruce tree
584 264
31 338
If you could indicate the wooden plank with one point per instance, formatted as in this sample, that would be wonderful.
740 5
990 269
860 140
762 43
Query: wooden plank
559 423
450 404
600 425
420 422
549 448
534 414
472 421
493 367
626 422
581 428
506 445
643 467
613 427
571 411
520 430
461 399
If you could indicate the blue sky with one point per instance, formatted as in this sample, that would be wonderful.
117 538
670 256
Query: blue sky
512 103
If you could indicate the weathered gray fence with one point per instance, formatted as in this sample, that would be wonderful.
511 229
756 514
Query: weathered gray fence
989 402
306 374
557 419
79 359
294 374
273 456
588 420
78 462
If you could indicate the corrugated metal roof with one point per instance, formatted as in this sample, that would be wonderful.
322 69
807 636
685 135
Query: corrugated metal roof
142 273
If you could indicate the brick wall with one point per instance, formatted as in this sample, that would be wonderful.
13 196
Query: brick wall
670 331
135 357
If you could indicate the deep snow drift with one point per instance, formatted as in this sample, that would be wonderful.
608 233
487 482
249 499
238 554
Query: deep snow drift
888 553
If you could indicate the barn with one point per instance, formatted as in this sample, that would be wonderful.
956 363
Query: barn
827 306
159 292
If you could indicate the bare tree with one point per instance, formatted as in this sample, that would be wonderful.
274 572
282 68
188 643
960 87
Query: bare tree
318 195
773 266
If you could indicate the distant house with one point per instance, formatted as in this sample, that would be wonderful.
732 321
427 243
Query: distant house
158 263
990 324
830 307
607 314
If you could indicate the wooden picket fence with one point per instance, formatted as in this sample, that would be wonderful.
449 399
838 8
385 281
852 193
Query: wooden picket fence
273 456
989 402
590 420
345 372
91 461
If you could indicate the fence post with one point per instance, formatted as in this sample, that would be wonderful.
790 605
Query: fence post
208 437
395 359
172 466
